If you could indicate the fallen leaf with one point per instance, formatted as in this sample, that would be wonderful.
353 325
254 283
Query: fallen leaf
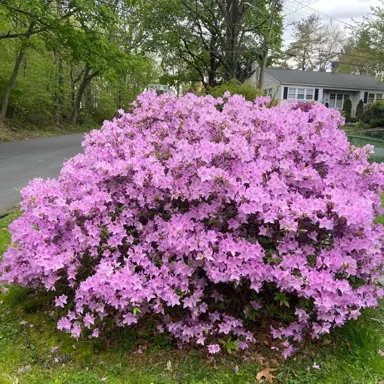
266 374
169 366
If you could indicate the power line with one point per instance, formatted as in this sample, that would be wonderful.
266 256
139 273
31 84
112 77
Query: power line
299 9
324 14
338 54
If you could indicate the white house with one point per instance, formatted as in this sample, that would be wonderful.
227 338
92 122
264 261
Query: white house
323 87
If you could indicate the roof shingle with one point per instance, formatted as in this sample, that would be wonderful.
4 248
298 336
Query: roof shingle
326 79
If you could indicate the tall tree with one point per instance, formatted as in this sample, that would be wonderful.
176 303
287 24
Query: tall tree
216 39
363 54
316 44
358 56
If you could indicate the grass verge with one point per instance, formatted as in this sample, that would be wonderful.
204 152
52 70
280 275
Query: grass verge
32 351
17 133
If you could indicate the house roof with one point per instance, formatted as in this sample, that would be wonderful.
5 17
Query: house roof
326 79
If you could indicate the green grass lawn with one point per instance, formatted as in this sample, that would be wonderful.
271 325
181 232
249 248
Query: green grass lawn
28 333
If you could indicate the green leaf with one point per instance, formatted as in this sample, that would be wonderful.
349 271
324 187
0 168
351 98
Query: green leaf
136 310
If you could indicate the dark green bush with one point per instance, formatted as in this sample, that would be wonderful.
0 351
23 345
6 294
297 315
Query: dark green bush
367 114
347 109
379 122
360 110
236 88
377 109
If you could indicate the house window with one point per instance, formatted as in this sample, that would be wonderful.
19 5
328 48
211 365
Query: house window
336 100
379 96
291 93
339 101
268 92
371 97
301 94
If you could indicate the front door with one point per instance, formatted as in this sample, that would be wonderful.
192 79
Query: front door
336 100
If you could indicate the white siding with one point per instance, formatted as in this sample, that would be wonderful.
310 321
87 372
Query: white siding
271 83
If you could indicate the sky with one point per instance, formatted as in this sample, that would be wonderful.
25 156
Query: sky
344 10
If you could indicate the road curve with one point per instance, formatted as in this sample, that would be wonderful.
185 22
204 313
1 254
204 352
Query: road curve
21 161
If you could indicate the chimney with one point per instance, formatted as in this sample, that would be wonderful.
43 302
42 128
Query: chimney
334 65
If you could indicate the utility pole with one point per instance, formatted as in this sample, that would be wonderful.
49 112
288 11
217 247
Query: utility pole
267 43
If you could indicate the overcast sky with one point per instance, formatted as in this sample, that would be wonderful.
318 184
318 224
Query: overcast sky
344 10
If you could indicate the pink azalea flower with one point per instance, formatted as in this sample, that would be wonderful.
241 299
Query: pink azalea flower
213 348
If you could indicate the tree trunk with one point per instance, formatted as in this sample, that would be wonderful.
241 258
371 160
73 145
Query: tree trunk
234 17
79 95
212 63
267 42
11 83
88 102
12 80
59 91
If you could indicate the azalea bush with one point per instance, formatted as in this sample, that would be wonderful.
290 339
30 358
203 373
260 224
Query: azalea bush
207 219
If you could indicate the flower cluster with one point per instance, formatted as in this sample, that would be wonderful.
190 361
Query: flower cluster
207 215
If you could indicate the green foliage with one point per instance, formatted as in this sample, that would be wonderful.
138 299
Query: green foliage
360 110
358 55
236 88
347 109
211 41
84 50
5 237
377 109
377 123
316 44
363 54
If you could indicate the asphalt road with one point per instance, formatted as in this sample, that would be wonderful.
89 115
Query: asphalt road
21 161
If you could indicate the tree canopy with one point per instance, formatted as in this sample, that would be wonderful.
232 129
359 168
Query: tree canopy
70 61
316 44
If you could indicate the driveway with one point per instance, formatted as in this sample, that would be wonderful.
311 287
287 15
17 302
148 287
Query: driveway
21 161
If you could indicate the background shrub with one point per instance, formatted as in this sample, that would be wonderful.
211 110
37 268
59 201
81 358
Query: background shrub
205 218
360 110
234 87
347 109
377 123
377 110
367 114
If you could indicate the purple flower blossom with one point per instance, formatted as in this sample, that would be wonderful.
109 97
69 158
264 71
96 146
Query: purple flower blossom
54 349
213 349
95 333
61 301
89 320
